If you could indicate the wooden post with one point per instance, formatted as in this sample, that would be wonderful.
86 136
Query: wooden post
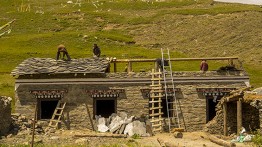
33 132
156 66
225 118
114 66
239 116
90 117
129 68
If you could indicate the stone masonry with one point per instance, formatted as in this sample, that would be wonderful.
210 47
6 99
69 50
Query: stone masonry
5 115
80 87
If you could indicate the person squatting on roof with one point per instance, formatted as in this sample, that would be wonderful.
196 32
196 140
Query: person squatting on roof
61 48
96 51
203 66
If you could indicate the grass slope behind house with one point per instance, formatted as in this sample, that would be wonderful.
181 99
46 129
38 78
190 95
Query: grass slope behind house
131 29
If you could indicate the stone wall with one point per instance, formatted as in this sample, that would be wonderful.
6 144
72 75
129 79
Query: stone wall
5 115
193 103
250 120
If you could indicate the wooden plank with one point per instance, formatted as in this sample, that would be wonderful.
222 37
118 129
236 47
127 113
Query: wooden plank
159 101
157 85
155 108
156 120
156 114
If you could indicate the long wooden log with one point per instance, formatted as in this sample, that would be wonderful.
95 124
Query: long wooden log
175 59
219 141
102 135
161 142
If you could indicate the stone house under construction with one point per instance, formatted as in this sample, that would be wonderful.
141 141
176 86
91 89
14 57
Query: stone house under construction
83 83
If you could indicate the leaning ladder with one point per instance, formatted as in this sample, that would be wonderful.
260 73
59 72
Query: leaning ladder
56 117
172 114
155 108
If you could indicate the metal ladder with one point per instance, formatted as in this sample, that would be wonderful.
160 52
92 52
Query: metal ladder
172 114
155 107
56 117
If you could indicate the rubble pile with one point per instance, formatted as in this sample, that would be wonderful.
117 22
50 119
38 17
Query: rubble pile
5 115
122 124
23 126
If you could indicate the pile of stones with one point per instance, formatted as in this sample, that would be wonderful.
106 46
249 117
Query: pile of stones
122 124
23 126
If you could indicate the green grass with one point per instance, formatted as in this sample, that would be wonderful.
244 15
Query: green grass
38 35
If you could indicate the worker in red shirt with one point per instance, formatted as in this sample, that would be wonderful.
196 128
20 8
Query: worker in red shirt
203 66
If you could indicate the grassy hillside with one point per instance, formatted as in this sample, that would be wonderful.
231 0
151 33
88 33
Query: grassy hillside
131 29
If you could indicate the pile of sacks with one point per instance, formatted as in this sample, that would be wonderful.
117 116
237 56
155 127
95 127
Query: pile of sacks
121 124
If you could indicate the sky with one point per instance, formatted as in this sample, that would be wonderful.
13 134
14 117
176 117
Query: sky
255 2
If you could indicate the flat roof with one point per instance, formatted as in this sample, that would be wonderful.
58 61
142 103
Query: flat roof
35 66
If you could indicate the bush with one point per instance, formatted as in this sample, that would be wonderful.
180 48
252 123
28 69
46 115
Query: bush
257 139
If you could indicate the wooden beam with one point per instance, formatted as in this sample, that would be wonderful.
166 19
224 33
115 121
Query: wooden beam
225 118
176 59
239 116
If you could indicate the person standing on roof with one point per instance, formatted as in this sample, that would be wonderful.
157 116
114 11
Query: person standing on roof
203 66
61 48
96 51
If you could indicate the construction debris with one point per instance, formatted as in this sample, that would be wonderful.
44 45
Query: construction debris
121 124
22 125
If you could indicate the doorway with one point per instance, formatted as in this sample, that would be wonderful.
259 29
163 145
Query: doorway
104 107
46 108
211 102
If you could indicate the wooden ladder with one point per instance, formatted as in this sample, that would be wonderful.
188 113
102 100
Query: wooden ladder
56 118
155 107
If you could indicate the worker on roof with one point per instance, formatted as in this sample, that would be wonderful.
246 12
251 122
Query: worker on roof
204 66
96 51
61 48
